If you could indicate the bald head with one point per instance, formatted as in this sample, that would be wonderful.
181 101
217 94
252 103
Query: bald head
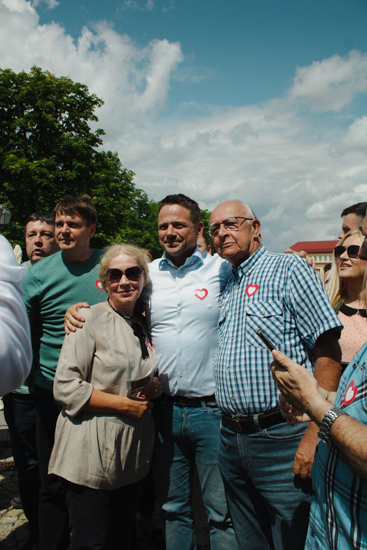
235 231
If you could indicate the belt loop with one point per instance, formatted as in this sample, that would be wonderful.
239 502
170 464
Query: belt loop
239 425
256 422
203 404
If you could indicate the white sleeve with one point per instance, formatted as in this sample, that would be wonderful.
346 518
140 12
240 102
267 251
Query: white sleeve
15 340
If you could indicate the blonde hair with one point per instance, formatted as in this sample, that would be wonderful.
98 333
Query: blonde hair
336 287
117 249
147 254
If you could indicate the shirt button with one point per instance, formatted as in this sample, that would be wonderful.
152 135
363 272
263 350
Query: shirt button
235 312
238 286
180 308
233 397
232 339
228 368
180 330
181 374
263 312
180 353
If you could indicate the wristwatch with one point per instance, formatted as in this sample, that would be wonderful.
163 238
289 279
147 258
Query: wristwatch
327 422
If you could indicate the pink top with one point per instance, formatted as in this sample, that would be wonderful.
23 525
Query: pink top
354 335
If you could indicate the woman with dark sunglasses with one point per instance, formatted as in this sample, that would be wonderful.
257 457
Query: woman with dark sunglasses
347 292
104 434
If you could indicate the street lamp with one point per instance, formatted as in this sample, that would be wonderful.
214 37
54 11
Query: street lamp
5 216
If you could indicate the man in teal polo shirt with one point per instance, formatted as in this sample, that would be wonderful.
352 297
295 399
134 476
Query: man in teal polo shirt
51 286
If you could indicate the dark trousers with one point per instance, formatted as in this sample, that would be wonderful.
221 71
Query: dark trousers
53 514
147 501
102 520
20 416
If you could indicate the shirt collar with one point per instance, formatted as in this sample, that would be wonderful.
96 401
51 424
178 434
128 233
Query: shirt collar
195 257
248 265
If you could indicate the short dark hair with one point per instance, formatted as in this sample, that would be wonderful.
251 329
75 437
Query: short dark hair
42 216
81 206
359 209
183 200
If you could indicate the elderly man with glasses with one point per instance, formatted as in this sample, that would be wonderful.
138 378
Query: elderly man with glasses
284 298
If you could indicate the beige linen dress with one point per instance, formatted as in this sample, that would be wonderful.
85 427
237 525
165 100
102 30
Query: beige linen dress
99 450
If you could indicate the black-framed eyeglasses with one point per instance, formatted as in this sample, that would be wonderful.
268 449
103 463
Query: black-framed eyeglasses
352 250
132 273
230 224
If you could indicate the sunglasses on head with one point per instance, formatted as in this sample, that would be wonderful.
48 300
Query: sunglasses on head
132 273
352 250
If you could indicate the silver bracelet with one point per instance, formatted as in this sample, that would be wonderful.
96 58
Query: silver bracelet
327 422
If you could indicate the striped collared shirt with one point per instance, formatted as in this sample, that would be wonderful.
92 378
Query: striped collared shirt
284 297
338 517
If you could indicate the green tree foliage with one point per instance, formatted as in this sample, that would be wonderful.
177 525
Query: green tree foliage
49 152
205 216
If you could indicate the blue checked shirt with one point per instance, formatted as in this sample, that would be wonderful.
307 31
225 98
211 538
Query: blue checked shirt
338 517
284 297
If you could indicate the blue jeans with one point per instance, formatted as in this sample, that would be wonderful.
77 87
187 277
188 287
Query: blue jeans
269 505
186 436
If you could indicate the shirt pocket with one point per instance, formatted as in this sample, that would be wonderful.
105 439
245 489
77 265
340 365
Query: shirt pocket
268 317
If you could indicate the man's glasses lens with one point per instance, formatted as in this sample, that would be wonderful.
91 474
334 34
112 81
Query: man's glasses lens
352 251
230 224
131 273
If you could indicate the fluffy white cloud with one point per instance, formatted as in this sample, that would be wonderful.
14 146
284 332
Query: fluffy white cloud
134 82
134 5
294 170
50 3
331 84
356 137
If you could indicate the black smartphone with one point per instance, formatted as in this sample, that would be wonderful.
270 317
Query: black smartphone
269 344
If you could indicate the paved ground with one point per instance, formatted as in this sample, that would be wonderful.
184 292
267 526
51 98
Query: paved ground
13 523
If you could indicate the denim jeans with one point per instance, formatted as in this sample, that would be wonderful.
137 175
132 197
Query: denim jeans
186 436
20 416
269 505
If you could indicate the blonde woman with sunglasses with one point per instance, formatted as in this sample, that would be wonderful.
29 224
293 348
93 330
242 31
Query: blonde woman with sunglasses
347 292
104 383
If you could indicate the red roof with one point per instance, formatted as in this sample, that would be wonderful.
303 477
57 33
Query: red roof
314 247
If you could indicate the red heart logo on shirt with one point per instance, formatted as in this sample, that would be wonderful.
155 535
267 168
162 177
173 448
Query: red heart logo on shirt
201 293
251 290
350 394
99 285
